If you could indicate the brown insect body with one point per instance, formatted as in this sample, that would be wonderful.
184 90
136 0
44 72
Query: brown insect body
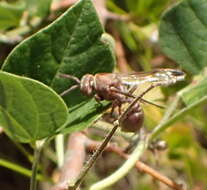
104 86
115 88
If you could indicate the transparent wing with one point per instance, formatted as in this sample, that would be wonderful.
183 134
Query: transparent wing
160 77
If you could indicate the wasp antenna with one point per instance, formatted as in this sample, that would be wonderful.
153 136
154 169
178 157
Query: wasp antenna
68 90
69 77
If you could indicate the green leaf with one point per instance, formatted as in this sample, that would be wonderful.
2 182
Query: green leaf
10 14
29 110
73 44
195 91
183 34
83 115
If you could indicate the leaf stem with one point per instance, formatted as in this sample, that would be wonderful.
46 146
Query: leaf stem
23 151
37 151
17 168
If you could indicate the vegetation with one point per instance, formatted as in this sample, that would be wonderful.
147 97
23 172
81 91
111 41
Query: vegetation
46 138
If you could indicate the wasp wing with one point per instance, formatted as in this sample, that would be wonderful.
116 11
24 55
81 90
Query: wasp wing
159 76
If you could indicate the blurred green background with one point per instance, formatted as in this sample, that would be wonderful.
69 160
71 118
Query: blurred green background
134 24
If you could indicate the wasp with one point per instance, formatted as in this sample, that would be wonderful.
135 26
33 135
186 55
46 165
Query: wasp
118 88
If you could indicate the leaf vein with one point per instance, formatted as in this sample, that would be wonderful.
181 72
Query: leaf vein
196 15
72 33
189 51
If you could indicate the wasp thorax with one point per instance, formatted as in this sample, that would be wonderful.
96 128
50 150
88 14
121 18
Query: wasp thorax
86 84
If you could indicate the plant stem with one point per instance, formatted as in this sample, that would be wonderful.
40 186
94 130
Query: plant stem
59 146
125 168
141 146
17 168
24 151
105 141
93 158
92 145
37 152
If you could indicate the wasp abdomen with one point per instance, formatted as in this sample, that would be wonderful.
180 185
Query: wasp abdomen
134 119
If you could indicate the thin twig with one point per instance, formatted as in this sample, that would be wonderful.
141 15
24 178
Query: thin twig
120 54
77 145
94 157
93 145
125 168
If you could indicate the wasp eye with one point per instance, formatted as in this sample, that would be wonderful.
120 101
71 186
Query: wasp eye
177 73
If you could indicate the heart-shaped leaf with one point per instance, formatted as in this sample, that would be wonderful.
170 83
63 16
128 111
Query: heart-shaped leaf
29 110
73 44
183 34
83 114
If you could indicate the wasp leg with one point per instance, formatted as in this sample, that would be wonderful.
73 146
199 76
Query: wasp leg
119 108
114 89
132 89
98 99
152 103
129 94
113 106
